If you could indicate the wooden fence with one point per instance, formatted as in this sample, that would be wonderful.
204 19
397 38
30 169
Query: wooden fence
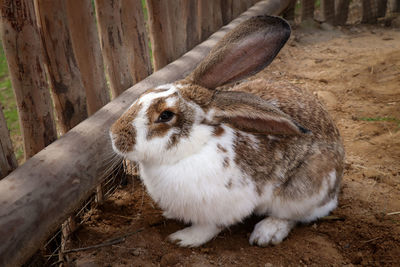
66 59
62 44
336 12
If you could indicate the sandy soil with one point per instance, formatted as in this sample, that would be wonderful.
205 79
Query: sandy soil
356 73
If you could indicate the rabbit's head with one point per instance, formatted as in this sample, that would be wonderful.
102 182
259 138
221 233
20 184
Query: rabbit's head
172 121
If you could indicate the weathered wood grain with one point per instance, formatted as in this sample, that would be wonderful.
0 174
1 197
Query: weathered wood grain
160 31
210 17
289 12
86 46
381 6
64 74
135 39
368 12
20 36
394 5
341 11
307 9
328 10
123 42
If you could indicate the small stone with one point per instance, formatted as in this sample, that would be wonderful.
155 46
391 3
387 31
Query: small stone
136 252
170 259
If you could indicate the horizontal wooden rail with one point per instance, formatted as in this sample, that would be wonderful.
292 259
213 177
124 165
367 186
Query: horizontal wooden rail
38 196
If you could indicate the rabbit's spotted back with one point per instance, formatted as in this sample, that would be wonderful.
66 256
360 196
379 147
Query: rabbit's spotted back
297 103
320 148
211 152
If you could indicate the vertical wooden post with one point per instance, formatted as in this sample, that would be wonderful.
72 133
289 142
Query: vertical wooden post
190 15
177 19
368 14
160 32
210 17
307 9
394 6
381 8
86 45
23 49
108 14
135 38
8 162
289 12
238 7
341 11
226 9
117 20
328 10
64 75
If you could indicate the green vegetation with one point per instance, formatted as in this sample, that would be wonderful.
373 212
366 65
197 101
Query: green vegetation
7 99
390 119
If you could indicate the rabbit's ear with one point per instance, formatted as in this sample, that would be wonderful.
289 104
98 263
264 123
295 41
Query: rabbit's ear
244 51
251 113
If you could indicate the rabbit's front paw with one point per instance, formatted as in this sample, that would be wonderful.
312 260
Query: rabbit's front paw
270 231
194 235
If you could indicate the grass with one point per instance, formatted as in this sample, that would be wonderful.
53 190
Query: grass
389 119
7 99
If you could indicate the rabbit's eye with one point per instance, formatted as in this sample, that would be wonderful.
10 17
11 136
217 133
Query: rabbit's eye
165 116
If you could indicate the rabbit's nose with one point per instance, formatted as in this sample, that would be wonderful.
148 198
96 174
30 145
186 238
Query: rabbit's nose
123 136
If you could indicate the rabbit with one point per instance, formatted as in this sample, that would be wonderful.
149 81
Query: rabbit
214 148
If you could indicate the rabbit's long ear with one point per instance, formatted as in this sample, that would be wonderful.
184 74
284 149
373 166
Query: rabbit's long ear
244 51
251 113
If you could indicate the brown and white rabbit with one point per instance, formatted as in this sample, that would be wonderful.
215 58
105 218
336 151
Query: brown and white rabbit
212 157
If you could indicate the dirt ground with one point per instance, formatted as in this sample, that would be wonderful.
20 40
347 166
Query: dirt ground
355 71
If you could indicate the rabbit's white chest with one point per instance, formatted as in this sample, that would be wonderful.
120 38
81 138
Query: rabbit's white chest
206 187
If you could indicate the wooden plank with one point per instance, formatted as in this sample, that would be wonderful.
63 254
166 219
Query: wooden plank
178 18
64 75
210 17
8 162
56 180
381 6
238 6
135 39
86 45
394 6
115 51
307 9
190 15
328 10
288 14
226 11
174 28
341 11
368 12
160 32
20 36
